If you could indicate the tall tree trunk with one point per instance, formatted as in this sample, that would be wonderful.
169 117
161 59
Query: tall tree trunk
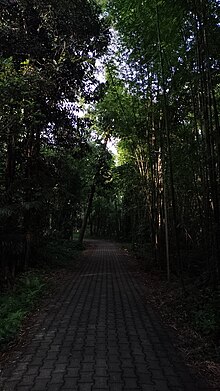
92 191
87 213
211 141
10 163
169 155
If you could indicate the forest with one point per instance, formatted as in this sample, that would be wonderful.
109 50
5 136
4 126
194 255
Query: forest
77 76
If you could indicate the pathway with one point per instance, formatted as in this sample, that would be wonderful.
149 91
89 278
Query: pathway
98 334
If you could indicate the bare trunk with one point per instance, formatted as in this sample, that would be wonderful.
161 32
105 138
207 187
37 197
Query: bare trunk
87 213
168 158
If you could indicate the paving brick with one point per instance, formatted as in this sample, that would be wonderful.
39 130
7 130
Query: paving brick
16 377
37 361
86 377
101 363
54 387
28 380
142 368
59 368
74 362
48 364
21 366
100 371
174 381
115 377
147 387
116 387
127 364
57 378
87 367
52 355
88 359
157 374
154 365
127 373
114 358
145 378
41 383
114 367
72 372
99 334
161 385
85 387
45 373
63 360
130 383
70 382
101 382
10 386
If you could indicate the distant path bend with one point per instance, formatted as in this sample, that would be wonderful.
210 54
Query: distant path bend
99 334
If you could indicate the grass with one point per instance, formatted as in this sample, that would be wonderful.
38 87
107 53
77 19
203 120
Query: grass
57 253
15 305
204 312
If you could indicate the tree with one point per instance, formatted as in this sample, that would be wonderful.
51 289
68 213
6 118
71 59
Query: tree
48 54
167 108
97 177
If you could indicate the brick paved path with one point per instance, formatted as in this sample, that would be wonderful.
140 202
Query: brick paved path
99 335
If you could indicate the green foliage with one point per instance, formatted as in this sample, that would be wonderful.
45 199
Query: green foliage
47 64
205 313
162 102
56 254
205 321
14 306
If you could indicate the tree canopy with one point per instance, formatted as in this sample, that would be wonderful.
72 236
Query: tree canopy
163 103
159 98
48 54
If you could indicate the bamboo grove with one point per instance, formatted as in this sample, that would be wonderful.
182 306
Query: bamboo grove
160 99
163 103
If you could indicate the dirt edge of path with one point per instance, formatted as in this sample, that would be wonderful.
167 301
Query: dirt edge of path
192 346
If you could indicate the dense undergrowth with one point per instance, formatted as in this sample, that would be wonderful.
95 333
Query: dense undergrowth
56 253
195 299
192 313
205 312
195 311
198 306
21 299
15 304
195 319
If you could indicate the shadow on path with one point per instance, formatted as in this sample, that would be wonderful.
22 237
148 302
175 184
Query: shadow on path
98 334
